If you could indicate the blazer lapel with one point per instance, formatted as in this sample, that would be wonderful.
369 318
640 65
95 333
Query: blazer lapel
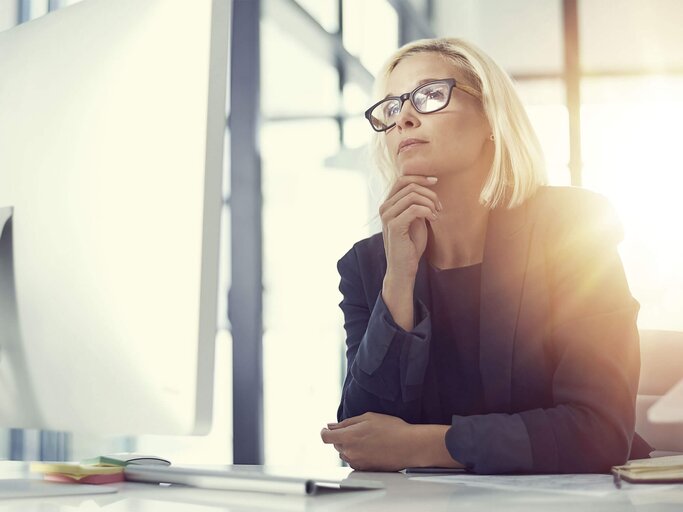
502 278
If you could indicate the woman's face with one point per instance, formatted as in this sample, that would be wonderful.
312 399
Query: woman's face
453 140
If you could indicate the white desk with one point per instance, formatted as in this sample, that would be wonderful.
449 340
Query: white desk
401 493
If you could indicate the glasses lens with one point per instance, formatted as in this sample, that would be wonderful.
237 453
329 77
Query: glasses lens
384 114
431 97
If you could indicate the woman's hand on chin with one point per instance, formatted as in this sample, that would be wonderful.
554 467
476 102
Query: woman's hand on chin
410 204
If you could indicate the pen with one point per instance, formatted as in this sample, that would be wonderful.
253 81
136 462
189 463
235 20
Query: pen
616 478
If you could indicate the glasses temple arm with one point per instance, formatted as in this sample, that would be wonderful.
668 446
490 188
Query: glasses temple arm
469 90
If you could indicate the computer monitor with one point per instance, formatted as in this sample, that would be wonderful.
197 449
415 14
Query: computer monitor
112 127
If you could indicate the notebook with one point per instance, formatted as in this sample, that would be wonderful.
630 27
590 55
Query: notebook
657 470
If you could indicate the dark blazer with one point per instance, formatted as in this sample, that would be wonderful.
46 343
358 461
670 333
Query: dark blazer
559 348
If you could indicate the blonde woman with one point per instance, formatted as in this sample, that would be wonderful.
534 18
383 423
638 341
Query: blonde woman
490 325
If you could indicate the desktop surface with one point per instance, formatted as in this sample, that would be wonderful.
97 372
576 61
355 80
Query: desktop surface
401 492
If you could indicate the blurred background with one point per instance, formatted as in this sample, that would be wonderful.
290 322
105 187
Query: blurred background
602 82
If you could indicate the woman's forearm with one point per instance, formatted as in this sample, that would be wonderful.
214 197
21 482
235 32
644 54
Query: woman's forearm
397 294
430 447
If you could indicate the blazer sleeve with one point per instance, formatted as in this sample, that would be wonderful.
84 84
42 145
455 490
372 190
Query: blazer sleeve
594 351
385 364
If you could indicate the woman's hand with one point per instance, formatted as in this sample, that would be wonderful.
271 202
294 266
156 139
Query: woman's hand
372 442
408 207
378 442
404 227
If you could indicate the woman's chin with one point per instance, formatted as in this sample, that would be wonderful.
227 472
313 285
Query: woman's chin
421 171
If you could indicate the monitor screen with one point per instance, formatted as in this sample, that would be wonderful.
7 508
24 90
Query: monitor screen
111 159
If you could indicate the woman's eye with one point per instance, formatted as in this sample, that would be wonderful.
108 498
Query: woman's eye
392 110
434 94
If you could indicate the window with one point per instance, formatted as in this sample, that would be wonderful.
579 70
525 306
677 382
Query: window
544 101
324 12
312 215
370 31
631 154
295 82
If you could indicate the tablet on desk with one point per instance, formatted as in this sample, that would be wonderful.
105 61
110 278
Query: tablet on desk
434 471
241 479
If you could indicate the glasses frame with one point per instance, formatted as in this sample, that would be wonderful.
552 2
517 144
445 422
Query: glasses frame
452 83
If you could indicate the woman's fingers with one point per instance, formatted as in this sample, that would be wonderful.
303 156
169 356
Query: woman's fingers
373 441
403 181
412 198
336 436
337 433
331 436
409 190
347 422
402 222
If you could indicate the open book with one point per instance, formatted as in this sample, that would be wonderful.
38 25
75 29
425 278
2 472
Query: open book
656 470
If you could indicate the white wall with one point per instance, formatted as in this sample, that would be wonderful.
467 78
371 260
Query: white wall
523 36
526 35
631 34
8 13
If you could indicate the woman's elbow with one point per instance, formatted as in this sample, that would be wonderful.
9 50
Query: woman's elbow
610 447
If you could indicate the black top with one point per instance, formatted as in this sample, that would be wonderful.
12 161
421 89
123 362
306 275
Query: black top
455 340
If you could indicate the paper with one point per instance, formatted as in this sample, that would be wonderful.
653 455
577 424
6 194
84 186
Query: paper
583 484
73 469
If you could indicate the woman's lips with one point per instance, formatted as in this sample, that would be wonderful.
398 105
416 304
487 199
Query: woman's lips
409 143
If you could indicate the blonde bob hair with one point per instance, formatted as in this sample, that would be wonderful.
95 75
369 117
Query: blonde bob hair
518 167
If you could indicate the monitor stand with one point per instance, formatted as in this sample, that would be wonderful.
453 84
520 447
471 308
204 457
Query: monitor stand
17 386
5 215
26 487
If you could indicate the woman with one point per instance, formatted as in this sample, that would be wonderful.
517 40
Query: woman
490 325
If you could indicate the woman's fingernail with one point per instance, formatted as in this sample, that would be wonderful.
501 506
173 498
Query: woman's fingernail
440 206
432 179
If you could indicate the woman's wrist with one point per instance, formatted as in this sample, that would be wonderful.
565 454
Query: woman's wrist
397 294
400 278
429 447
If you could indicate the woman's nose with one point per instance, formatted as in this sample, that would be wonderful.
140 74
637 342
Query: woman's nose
408 117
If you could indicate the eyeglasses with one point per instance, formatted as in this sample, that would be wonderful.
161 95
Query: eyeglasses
426 98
